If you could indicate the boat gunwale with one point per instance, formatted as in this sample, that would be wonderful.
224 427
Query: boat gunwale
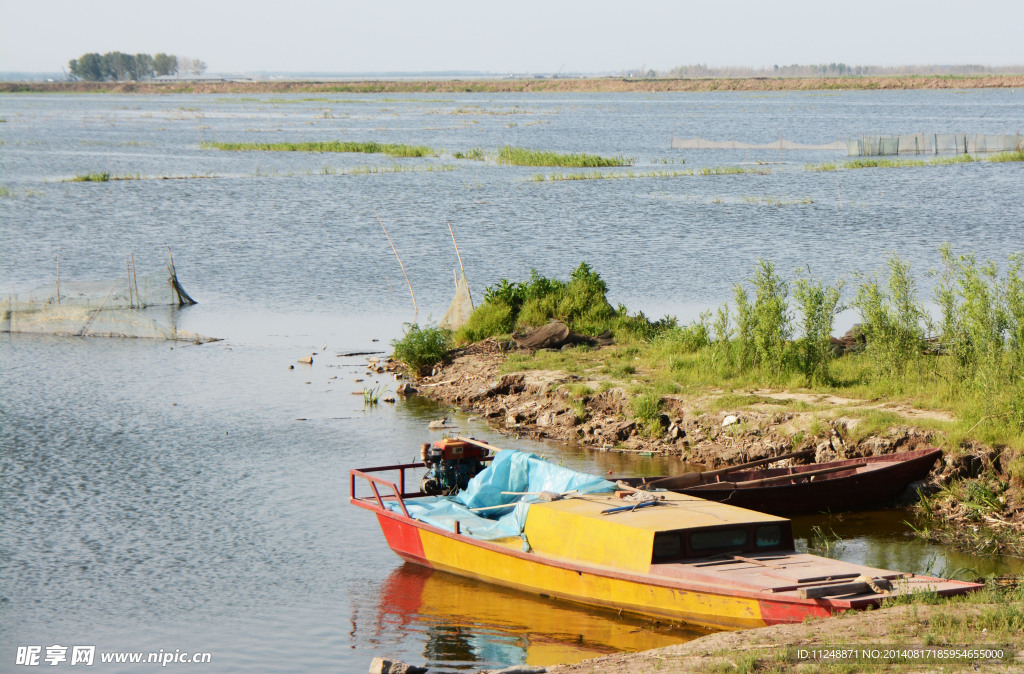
874 463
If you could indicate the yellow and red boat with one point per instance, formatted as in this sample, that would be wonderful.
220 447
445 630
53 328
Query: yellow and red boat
525 523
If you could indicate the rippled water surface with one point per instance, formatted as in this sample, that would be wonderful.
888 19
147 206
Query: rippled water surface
165 496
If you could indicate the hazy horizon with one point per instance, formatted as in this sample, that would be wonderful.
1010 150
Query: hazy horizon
400 36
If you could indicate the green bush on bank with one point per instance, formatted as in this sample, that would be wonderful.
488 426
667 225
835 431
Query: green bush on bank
581 303
422 348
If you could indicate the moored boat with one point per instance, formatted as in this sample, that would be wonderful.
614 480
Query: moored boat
834 486
525 523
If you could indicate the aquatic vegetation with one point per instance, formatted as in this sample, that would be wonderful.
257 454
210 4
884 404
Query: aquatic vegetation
477 110
1008 156
518 156
90 178
372 395
663 173
393 168
108 177
883 162
395 150
475 153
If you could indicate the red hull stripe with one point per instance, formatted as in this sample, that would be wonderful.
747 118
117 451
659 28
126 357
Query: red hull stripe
403 539
776 612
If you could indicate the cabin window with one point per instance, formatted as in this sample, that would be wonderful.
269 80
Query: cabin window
768 536
667 546
717 539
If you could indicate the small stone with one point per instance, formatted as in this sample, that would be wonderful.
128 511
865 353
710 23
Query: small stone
730 420
308 360
388 399
405 389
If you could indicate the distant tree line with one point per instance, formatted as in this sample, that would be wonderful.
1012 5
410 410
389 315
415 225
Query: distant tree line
118 66
829 70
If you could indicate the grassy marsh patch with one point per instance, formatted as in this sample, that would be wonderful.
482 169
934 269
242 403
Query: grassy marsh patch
369 147
106 176
662 173
886 162
518 156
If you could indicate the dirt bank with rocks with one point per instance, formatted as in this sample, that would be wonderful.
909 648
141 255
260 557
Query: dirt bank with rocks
540 404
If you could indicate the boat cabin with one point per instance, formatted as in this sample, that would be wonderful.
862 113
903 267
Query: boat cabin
679 527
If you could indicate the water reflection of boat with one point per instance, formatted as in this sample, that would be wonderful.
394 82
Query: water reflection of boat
835 486
468 621
679 556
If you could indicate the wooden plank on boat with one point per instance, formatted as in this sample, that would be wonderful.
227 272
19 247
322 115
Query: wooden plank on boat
873 585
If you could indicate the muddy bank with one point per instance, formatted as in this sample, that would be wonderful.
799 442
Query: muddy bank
548 405
718 429
766 648
525 85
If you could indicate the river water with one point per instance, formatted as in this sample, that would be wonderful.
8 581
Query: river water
162 496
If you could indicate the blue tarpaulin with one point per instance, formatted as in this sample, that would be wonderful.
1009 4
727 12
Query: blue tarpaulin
510 471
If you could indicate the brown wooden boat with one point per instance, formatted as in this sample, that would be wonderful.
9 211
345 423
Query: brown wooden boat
835 486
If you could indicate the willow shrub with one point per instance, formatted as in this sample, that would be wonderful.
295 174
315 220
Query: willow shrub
892 320
818 307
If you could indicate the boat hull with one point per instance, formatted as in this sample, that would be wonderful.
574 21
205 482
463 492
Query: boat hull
428 546
862 489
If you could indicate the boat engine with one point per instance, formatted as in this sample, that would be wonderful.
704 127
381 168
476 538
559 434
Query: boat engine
451 464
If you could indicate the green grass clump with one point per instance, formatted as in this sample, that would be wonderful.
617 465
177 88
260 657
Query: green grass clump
91 178
476 154
518 156
1017 155
422 348
394 150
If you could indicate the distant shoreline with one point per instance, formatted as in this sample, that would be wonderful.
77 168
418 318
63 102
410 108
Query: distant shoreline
526 85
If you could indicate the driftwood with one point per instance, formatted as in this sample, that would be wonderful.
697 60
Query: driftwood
557 334
550 336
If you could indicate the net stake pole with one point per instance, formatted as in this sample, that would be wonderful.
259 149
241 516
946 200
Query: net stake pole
135 282
415 309
58 280
128 273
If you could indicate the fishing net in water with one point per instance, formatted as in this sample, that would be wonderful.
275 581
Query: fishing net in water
935 143
99 309
460 308
80 321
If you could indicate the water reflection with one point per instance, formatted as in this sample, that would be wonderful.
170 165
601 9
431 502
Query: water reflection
466 621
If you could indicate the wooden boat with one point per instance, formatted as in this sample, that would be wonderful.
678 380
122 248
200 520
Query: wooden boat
849 484
680 557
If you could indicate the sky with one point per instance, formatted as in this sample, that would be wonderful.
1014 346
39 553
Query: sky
521 36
